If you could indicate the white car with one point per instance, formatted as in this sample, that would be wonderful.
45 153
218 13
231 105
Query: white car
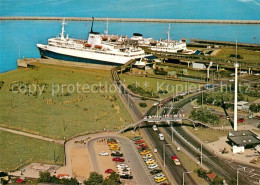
152 166
231 80
104 154
257 74
196 107
159 176
121 166
156 103
155 128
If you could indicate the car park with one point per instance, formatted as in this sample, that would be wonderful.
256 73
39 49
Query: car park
104 154
118 159
153 166
161 179
109 171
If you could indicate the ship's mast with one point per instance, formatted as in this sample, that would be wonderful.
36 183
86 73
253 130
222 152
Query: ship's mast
168 32
62 29
106 31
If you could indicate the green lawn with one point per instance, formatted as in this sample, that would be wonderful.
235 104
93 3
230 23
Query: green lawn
155 85
207 135
64 114
17 150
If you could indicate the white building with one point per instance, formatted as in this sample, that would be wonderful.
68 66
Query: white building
243 105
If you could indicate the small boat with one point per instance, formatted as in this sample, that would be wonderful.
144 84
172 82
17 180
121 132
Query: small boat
98 46
88 45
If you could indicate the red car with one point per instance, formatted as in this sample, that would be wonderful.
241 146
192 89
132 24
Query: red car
109 171
139 141
118 159
142 146
240 120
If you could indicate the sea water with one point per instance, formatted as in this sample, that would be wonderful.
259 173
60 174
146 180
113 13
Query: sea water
18 39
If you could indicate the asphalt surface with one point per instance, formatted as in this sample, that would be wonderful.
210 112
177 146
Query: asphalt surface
176 171
131 155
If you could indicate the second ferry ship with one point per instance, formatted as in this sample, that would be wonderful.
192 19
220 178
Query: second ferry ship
93 50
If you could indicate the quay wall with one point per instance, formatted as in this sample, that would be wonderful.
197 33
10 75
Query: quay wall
207 21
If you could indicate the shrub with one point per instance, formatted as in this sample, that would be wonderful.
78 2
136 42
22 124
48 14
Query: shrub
142 104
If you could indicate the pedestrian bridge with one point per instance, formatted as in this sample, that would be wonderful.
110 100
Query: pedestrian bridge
162 119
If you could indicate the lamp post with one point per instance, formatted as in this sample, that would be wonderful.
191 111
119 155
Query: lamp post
183 176
164 153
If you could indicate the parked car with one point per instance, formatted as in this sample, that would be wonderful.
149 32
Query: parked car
109 171
142 146
139 141
147 156
149 163
118 154
126 176
156 171
240 120
196 107
104 154
155 128
144 152
161 179
122 165
118 159
159 176
137 138
153 166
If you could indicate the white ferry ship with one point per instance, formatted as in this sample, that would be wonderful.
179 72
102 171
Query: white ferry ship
93 50
168 46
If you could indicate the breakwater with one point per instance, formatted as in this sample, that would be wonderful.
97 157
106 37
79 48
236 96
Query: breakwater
207 21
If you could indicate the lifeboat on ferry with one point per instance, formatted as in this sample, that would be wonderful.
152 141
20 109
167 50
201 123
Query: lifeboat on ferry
88 45
114 39
153 42
98 46
104 38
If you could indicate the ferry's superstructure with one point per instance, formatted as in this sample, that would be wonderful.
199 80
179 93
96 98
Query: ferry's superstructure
93 50
168 46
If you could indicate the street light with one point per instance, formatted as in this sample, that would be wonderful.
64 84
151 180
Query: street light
183 176
164 153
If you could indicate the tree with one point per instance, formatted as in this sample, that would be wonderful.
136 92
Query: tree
94 179
113 179
45 177
254 107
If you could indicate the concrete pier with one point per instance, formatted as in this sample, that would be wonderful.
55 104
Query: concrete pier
207 21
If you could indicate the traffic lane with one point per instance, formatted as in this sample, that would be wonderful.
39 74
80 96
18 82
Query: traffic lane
176 171
93 154
213 161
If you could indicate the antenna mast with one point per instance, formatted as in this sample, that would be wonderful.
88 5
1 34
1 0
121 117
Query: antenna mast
62 29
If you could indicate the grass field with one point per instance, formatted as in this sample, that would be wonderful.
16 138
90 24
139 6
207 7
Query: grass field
18 150
155 85
61 114
207 135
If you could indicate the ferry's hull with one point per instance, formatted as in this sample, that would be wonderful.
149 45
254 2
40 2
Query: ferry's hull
83 56
52 55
